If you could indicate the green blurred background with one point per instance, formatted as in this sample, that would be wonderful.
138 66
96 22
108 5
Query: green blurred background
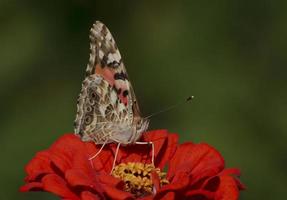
231 55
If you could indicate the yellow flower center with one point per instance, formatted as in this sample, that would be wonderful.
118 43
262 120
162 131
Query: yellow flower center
138 177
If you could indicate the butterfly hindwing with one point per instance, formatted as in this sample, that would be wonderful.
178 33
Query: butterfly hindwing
98 107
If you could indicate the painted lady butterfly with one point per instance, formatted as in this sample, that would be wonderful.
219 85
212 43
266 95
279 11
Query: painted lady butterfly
107 110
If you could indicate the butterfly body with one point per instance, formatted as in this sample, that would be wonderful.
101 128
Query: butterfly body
107 109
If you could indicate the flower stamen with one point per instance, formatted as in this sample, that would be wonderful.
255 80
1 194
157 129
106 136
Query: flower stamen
138 177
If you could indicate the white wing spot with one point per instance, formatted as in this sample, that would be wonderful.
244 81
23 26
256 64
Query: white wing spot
101 54
98 80
102 110
113 97
108 36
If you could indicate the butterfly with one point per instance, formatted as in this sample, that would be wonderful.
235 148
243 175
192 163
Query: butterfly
107 109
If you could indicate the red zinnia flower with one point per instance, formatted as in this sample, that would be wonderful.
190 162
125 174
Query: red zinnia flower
195 171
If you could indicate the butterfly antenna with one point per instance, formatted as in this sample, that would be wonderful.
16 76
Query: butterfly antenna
188 99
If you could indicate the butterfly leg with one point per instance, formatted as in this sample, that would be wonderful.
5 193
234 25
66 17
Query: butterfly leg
115 159
152 149
94 156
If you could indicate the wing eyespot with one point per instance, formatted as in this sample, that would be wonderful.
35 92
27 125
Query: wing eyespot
89 109
93 95
92 102
88 119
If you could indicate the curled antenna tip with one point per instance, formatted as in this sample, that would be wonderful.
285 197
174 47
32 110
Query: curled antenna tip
189 98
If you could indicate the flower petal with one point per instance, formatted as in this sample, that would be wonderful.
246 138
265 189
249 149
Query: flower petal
67 142
212 184
155 180
33 186
104 161
228 189
168 196
63 151
113 187
55 184
86 195
234 172
77 177
110 180
165 145
114 193
198 160
176 186
199 195
38 166
231 171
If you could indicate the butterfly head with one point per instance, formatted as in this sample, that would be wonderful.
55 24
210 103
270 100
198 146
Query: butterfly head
141 125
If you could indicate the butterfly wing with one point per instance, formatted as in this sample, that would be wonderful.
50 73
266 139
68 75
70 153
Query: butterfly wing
107 98
105 60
